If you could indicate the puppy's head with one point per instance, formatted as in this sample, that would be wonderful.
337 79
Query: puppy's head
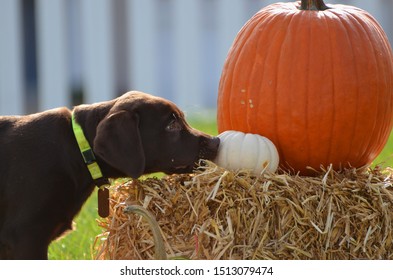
144 134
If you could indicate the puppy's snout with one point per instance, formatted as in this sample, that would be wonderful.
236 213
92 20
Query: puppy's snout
214 143
209 148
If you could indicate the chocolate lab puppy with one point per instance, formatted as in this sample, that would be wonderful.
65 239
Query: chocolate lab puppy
44 180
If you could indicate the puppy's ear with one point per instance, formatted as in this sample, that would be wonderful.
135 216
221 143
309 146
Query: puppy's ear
119 144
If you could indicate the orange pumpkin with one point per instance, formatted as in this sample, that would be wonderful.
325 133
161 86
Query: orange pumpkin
317 80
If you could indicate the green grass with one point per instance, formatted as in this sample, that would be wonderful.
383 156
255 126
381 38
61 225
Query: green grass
77 245
386 156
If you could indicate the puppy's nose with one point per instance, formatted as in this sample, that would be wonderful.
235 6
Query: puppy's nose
209 147
214 143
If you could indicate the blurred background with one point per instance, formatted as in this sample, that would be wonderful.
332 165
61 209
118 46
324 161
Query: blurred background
65 52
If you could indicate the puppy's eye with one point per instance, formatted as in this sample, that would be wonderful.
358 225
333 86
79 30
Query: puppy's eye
174 124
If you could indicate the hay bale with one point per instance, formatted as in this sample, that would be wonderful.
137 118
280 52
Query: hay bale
217 214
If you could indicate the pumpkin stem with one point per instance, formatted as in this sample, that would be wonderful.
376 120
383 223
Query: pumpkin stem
313 5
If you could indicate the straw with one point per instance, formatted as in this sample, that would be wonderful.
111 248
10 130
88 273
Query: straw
218 214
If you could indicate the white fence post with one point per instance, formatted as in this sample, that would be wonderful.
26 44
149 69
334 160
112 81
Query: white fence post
74 45
11 77
53 82
187 65
232 16
97 50
142 45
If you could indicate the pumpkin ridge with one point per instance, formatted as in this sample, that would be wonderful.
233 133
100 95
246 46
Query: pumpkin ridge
226 102
333 111
369 139
271 153
234 119
275 136
258 152
305 145
308 94
281 64
313 116
238 52
377 100
339 85
347 25
251 93
264 80
222 117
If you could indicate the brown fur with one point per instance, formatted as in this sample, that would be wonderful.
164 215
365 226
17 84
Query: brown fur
44 180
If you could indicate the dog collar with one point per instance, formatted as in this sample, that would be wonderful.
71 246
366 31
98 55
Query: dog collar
86 151
94 169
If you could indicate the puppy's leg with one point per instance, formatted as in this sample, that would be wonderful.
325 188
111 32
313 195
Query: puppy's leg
25 244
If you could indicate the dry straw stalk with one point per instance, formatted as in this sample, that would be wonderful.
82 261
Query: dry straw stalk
218 214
